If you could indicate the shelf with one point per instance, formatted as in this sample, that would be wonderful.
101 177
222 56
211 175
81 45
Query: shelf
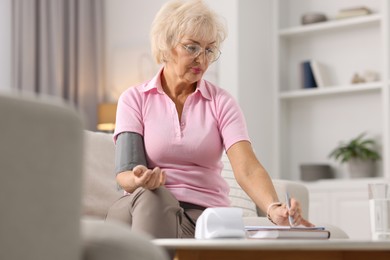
330 90
329 25
307 118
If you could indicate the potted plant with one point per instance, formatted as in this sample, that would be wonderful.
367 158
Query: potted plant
360 155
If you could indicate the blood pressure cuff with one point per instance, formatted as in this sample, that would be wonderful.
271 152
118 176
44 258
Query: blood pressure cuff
129 151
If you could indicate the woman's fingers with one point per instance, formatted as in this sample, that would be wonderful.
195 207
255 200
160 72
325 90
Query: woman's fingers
282 213
144 177
163 178
296 212
154 181
149 179
306 223
139 170
295 207
157 178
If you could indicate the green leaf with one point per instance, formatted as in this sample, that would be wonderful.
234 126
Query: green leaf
357 148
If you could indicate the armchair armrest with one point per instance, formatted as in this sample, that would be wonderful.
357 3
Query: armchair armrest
116 241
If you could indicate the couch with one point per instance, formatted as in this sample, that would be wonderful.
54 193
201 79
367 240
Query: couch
100 189
41 184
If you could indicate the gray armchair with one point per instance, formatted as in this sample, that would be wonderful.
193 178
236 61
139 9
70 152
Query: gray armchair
41 177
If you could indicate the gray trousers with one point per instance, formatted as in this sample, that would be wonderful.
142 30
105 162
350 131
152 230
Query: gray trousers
157 213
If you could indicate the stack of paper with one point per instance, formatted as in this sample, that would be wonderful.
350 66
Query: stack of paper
284 232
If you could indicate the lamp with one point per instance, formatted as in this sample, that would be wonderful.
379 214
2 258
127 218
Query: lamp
106 117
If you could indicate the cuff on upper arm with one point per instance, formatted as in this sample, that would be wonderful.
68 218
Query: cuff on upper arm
129 152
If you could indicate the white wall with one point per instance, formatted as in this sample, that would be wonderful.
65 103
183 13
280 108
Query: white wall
5 44
228 63
128 53
255 70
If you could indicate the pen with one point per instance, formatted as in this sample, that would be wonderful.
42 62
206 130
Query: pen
288 204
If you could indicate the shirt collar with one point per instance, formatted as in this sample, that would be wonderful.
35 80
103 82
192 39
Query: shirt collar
155 83
202 88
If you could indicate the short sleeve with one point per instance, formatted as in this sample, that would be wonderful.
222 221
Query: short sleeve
231 120
129 113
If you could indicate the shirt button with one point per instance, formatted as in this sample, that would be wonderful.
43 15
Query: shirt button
183 124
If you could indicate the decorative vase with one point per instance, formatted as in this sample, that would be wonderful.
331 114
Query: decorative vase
359 168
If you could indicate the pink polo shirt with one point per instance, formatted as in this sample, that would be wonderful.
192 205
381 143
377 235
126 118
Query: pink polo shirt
189 150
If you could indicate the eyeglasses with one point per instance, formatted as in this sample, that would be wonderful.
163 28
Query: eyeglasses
211 53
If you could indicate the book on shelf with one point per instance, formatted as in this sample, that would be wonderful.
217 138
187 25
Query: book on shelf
353 12
308 80
319 73
286 232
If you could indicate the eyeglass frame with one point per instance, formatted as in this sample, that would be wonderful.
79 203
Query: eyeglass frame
200 51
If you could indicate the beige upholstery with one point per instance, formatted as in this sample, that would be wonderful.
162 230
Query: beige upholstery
100 188
116 241
41 158
40 180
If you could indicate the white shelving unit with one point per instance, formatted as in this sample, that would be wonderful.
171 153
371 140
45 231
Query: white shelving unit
329 25
311 122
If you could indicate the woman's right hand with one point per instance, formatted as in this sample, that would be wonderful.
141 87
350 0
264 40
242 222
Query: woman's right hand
148 178
280 215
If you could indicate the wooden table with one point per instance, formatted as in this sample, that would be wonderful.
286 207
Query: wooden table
294 249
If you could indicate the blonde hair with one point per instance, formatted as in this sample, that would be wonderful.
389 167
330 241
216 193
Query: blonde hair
178 18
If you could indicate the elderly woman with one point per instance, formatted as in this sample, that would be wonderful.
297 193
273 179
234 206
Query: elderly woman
171 132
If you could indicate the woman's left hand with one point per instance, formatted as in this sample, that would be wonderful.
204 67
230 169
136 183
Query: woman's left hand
148 178
280 215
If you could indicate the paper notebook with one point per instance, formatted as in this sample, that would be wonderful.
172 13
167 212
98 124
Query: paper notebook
286 232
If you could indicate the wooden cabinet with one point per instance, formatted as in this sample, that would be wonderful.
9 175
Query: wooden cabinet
311 122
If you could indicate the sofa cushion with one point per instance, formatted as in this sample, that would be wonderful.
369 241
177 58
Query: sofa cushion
100 189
